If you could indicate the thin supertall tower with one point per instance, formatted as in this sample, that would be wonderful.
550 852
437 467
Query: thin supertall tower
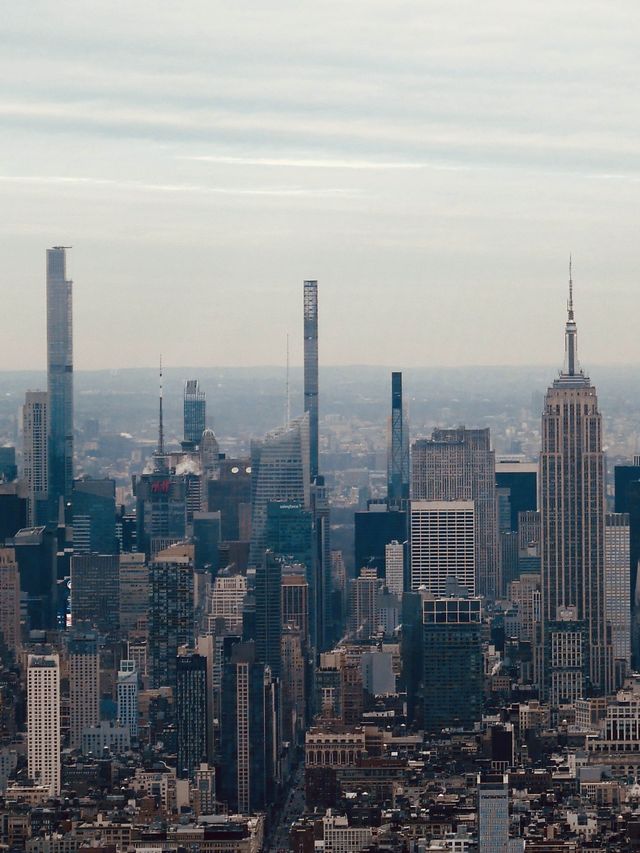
576 640
60 377
398 466
311 369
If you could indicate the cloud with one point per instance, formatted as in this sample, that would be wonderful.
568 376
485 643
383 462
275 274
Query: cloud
137 186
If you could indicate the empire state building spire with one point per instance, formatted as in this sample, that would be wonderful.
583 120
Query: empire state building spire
571 367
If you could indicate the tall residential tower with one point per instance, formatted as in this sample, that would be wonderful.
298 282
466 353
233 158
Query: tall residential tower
60 377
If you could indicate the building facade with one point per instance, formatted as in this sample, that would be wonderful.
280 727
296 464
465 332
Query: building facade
443 545
43 720
459 465
576 640
60 378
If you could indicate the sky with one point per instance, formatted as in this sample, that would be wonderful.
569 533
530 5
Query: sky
432 164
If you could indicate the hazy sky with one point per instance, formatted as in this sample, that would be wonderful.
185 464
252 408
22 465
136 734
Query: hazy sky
432 164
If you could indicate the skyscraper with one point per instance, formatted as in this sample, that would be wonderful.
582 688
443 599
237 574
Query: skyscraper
127 696
171 611
84 684
443 545
60 378
310 293
249 742
452 662
269 612
194 410
398 462
493 813
43 720
459 465
9 600
576 639
618 586
191 713
35 455
95 591
94 516
394 567
279 472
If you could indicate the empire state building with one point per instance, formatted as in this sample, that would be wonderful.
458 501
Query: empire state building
576 640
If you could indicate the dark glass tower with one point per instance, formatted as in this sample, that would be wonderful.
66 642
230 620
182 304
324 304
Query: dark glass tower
194 412
60 378
191 713
311 369
269 612
453 669
398 468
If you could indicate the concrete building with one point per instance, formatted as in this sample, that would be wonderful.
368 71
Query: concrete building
443 544
84 684
394 567
43 720
617 546
493 813
127 696
398 455
134 590
310 300
9 600
192 713
459 465
35 455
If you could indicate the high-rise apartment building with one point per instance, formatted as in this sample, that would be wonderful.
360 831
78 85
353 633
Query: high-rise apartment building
279 473
618 586
226 603
60 378
493 813
9 600
195 413
394 567
127 696
171 611
459 465
576 640
398 455
43 720
363 603
35 455
310 305
134 591
452 662
192 708
443 544
84 684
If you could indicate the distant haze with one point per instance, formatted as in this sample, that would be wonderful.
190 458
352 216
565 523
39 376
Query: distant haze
432 164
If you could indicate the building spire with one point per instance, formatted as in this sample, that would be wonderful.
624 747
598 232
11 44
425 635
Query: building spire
160 451
571 332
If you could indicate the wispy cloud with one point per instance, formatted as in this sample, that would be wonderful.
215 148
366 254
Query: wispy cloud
176 188
312 163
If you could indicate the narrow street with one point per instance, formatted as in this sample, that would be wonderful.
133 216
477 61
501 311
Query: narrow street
293 808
